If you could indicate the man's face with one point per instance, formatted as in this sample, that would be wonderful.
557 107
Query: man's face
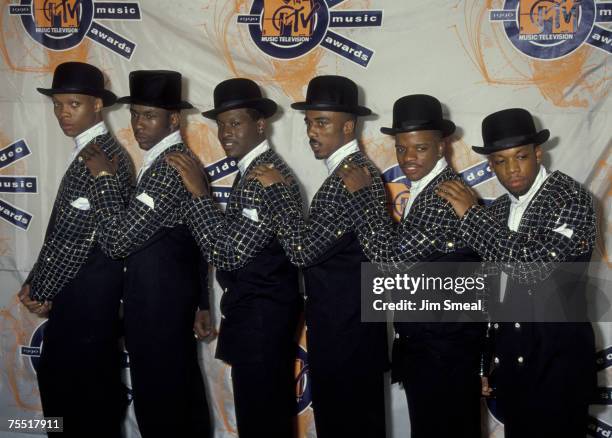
328 131
238 133
151 124
76 113
418 152
517 168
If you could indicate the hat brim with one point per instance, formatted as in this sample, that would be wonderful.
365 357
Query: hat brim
357 110
266 107
178 106
445 126
508 143
108 97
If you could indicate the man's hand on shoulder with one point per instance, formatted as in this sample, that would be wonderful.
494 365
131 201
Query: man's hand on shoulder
96 161
354 178
191 173
268 175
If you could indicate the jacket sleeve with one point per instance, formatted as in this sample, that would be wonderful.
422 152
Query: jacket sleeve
122 230
305 241
569 231
230 243
387 243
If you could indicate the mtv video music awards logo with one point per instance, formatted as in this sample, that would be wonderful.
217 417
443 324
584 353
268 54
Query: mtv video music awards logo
9 155
35 346
551 29
288 29
62 24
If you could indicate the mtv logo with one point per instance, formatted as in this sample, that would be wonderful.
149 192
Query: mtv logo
57 13
548 16
290 18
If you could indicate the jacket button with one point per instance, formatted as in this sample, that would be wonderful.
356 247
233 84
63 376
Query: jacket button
517 325
496 326
496 360
224 290
520 359
125 269
222 316
397 336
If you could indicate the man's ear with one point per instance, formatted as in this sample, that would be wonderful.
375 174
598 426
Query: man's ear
175 119
261 125
441 147
538 153
349 127
98 104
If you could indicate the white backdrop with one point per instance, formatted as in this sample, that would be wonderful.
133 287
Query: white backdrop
472 60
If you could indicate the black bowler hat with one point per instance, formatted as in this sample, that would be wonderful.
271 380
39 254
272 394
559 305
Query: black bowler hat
79 78
332 93
239 93
158 88
507 129
418 112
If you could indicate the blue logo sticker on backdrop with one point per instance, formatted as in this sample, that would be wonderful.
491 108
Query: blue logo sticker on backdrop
221 168
13 215
288 29
18 184
552 29
604 396
62 24
35 346
13 153
598 429
9 155
477 174
221 194
604 359
304 399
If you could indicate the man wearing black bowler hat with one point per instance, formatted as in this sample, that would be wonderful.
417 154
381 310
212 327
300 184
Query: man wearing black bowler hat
165 279
79 372
543 372
347 358
432 360
261 301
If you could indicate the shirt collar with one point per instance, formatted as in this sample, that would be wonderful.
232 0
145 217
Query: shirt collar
151 155
422 183
537 183
417 187
344 151
81 140
246 161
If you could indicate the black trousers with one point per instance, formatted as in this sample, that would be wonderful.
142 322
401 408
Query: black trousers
548 392
167 385
265 399
79 373
348 406
528 419
443 394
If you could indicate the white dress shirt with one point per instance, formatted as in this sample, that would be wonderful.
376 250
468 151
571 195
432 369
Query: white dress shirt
246 161
336 158
417 187
151 155
81 140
